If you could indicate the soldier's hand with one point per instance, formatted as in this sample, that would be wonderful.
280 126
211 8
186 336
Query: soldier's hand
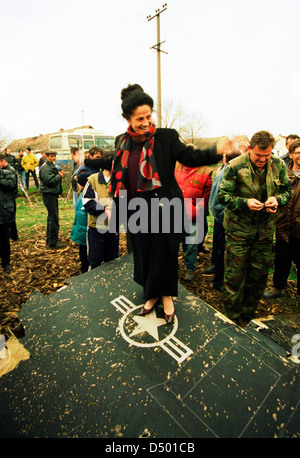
62 173
271 205
255 205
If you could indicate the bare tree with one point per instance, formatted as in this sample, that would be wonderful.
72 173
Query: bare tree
191 130
172 115
5 139
188 125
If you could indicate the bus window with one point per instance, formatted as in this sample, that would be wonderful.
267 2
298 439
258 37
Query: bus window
105 142
87 144
56 142
75 140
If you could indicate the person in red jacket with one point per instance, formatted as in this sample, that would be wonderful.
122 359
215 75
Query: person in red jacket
195 183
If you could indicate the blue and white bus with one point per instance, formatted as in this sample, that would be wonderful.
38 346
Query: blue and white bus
83 139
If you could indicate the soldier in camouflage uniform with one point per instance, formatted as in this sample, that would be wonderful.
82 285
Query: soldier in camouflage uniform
252 188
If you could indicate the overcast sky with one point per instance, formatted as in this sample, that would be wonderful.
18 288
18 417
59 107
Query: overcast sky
235 62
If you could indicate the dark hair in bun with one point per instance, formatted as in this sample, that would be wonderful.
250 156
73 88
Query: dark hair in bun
133 96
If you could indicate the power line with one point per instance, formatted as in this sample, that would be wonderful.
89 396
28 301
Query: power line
158 49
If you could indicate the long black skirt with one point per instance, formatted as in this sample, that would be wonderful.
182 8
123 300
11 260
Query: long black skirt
155 251
155 264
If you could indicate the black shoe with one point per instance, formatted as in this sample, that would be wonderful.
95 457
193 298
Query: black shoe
243 321
58 246
7 268
169 318
219 288
145 311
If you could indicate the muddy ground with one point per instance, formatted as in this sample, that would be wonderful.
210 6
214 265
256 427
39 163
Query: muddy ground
36 267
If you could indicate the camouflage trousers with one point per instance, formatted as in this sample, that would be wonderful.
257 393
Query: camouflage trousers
246 264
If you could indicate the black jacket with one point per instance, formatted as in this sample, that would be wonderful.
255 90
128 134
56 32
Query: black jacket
50 179
167 150
18 165
288 220
8 189
11 160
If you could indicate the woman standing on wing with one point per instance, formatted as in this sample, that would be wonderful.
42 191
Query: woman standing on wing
143 165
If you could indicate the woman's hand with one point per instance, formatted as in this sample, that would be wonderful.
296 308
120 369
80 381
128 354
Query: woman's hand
226 146
108 212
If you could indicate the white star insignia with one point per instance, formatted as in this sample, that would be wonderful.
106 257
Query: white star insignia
148 323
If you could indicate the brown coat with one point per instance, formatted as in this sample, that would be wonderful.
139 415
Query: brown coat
288 222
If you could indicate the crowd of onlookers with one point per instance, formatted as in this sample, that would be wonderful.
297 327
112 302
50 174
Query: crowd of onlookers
240 217
25 164
244 208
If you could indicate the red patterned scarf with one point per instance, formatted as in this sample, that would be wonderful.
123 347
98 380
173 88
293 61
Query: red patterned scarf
148 177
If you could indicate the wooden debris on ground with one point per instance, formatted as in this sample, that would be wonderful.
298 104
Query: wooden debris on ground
36 267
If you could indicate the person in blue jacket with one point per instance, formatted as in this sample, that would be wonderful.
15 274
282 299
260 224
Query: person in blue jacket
217 211
79 230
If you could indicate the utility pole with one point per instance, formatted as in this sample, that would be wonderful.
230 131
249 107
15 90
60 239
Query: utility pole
82 111
159 50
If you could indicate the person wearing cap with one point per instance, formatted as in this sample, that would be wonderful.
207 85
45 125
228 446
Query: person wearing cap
79 230
51 188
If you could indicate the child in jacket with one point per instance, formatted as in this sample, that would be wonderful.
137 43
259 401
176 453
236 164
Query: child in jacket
79 230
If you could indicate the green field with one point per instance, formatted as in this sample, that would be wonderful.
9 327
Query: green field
32 215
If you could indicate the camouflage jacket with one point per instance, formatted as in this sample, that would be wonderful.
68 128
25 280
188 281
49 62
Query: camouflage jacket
242 180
